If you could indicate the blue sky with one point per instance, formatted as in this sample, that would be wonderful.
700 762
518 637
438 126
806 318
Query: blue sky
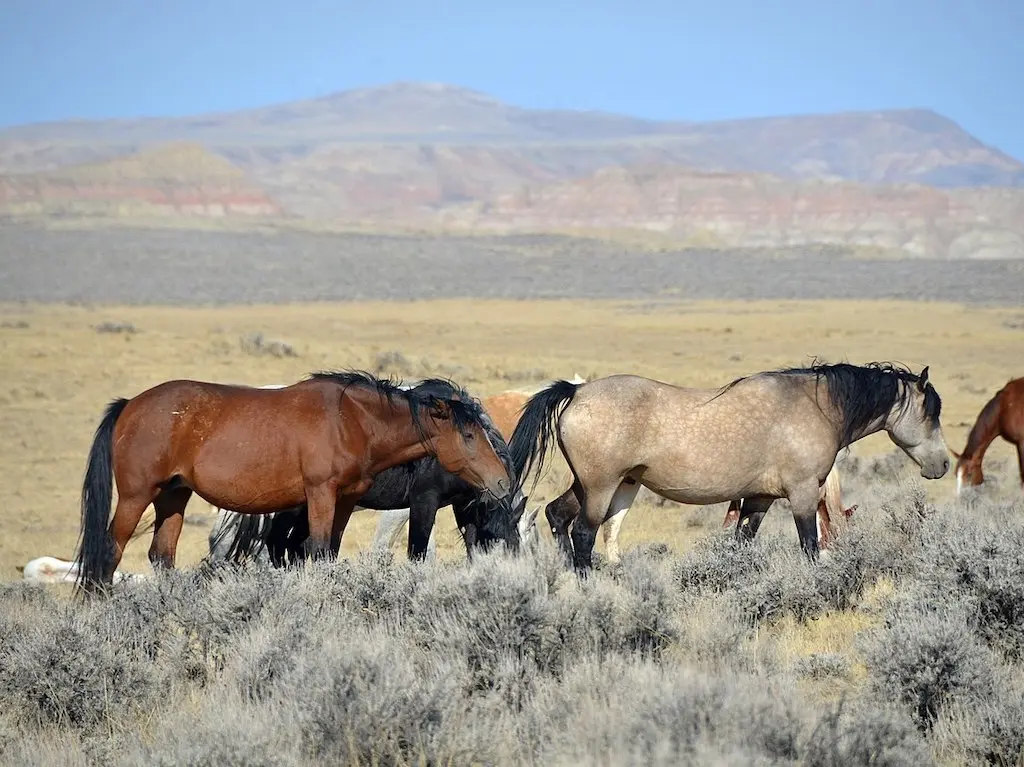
651 58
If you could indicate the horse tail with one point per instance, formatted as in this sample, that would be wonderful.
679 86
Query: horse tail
537 424
95 549
249 534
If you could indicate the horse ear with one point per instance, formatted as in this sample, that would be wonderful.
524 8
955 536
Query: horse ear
922 380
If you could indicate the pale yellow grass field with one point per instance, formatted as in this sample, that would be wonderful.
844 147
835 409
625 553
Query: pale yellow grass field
58 373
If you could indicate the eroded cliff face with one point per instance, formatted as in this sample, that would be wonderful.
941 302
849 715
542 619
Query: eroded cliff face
177 180
749 210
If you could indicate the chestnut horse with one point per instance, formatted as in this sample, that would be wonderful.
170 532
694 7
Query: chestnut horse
771 435
1002 416
318 442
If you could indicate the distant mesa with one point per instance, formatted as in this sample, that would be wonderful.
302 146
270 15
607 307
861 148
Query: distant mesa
432 155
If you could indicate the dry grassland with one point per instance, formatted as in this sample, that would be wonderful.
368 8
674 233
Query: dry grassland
58 372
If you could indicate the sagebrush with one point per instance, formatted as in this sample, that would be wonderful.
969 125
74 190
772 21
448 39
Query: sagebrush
667 658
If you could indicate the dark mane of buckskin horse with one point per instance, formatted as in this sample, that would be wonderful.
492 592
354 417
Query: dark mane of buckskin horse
423 486
152 444
861 393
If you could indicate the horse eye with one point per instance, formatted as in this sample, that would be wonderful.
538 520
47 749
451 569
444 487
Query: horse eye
468 436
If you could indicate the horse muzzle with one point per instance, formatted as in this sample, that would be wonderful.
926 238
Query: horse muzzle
935 470
501 489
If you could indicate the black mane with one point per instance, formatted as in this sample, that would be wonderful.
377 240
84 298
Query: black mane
861 393
345 378
464 410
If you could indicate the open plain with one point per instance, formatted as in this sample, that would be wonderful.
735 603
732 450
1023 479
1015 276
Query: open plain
496 662
223 310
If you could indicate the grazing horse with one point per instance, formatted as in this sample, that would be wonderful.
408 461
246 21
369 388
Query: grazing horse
771 435
1002 416
504 409
563 510
320 441
418 489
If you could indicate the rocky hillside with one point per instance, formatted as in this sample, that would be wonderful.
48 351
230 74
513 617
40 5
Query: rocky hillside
759 210
436 155
175 180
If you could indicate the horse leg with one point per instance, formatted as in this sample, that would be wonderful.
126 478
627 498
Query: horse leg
422 513
1020 459
732 514
824 523
126 518
803 500
751 515
343 509
389 525
598 505
320 502
170 514
560 513
610 532
293 532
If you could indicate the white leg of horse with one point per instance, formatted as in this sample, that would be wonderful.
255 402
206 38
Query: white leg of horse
610 532
432 544
389 527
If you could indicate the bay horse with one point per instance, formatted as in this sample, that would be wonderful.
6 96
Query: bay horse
774 434
563 510
319 441
1002 416
418 488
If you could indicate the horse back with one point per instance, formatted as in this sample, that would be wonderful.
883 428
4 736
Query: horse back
504 410
207 434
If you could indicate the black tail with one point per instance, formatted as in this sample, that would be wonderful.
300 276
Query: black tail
249 535
532 435
95 545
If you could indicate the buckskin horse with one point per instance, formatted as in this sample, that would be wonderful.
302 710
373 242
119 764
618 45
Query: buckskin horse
319 441
1002 416
563 510
416 490
770 435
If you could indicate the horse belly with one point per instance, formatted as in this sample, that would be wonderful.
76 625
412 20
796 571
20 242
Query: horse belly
248 480
710 484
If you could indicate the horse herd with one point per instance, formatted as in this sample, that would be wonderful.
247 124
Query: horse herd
286 465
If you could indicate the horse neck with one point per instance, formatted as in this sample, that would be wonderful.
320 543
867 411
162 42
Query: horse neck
392 437
985 429
877 424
